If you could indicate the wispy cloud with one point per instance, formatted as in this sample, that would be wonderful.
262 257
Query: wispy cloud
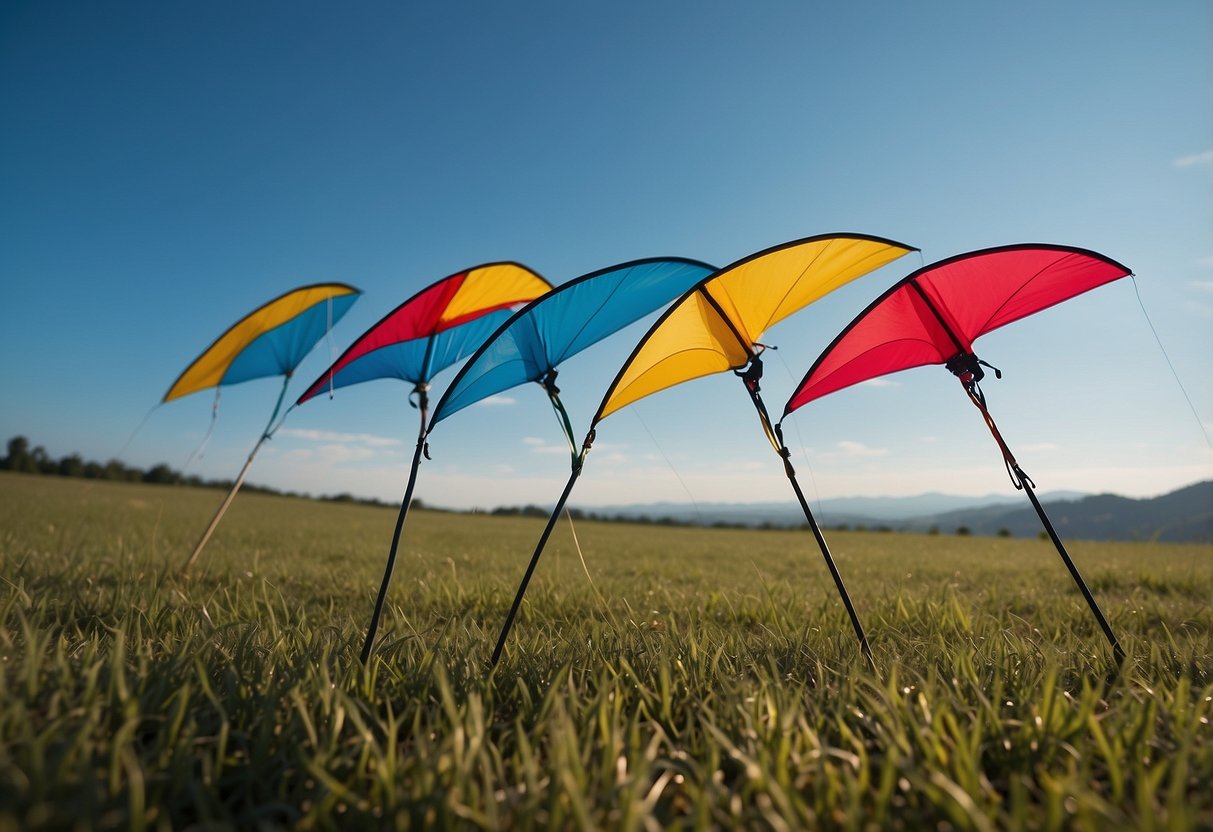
1204 158
496 401
880 382
333 436
1202 285
334 454
849 448
533 441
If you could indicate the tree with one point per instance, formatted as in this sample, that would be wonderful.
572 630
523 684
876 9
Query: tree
19 457
71 466
964 531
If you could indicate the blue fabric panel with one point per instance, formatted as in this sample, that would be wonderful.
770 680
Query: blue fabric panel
280 350
404 359
564 322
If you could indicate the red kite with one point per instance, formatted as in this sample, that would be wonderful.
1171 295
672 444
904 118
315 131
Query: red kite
934 315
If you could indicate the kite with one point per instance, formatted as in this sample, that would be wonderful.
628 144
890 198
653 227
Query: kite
717 325
438 326
270 341
535 339
934 315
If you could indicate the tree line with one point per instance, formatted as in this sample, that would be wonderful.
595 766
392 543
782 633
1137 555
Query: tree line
21 458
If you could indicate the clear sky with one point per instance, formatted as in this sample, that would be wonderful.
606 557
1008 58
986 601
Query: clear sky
167 167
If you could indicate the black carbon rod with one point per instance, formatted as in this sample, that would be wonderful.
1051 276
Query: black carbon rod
829 559
1117 651
530 570
391 558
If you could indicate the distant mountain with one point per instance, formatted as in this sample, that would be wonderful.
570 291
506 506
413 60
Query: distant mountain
1182 515
865 511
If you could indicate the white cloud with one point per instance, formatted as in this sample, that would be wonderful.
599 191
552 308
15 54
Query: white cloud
1202 285
332 436
496 401
850 448
332 454
1204 158
880 382
533 440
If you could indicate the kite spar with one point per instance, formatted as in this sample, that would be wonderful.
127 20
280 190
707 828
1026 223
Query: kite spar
438 326
270 341
716 326
934 315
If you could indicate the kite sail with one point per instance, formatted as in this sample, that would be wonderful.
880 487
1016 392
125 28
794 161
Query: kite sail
934 315
552 329
537 338
717 325
270 341
438 326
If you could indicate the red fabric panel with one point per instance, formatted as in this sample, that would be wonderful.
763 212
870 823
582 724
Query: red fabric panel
417 317
940 310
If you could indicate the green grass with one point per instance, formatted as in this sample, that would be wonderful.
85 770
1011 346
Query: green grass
716 683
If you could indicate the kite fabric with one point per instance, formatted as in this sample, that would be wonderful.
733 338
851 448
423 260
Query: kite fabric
936 313
716 326
567 320
270 341
435 328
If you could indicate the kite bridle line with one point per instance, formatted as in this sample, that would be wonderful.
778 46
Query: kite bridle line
967 367
548 383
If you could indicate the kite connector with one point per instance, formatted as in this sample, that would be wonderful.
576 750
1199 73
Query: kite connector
751 374
421 391
549 382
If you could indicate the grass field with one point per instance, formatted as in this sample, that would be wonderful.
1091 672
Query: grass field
707 678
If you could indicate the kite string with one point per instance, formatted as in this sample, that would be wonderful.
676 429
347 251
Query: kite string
568 513
804 451
678 476
138 428
1166 357
328 332
197 452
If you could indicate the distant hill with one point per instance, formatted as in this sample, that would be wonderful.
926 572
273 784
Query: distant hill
1184 515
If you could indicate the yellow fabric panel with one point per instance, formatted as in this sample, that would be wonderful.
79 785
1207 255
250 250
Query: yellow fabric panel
758 293
208 369
692 341
489 287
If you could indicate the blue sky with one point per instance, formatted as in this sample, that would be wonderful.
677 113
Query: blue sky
167 167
